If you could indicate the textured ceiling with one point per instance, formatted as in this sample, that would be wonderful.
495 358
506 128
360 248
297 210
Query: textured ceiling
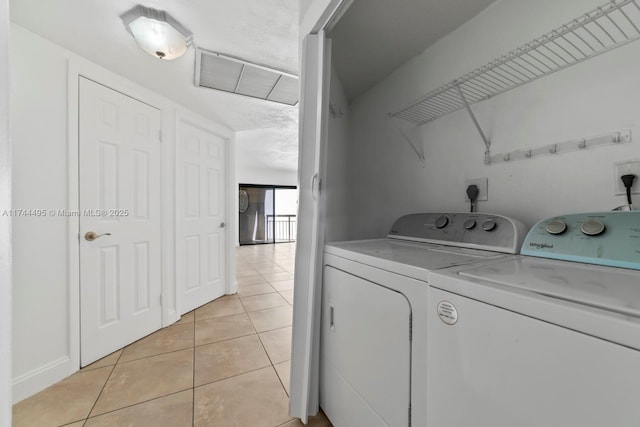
278 154
263 32
375 37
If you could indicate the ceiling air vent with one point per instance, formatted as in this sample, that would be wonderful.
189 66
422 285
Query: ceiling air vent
220 72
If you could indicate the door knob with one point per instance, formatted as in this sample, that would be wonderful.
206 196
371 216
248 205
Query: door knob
222 224
92 235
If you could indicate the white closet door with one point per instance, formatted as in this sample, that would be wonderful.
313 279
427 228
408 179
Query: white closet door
200 197
306 305
120 275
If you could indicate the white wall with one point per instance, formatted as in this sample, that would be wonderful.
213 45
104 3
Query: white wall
45 338
304 7
265 176
336 190
39 132
267 156
595 97
5 223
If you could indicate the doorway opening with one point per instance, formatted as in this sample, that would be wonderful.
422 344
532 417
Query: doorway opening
267 214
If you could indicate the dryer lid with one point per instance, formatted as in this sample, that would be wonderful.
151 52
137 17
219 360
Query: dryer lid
407 258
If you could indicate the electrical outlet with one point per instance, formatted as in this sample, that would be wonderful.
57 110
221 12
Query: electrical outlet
482 184
623 168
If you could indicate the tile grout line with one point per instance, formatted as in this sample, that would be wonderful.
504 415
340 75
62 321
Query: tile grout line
232 376
263 346
259 294
249 317
282 296
194 346
244 336
139 358
135 404
152 333
265 349
118 361
154 355
269 308
113 368
257 333
224 340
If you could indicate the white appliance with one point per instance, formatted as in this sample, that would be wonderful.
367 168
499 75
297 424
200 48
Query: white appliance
531 342
373 348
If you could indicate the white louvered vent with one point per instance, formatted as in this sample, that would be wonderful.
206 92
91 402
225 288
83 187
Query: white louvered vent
220 72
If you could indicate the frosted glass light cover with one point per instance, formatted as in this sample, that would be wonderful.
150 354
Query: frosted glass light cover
158 38
157 32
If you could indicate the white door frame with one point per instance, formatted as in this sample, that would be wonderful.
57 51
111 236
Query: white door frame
230 197
322 15
77 68
315 66
5 224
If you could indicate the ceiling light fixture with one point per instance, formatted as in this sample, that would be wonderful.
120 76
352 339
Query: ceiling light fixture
157 32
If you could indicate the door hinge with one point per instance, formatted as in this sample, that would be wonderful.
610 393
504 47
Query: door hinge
160 135
409 413
161 300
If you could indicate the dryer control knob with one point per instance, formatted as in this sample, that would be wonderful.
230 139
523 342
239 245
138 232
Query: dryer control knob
470 224
556 227
441 222
592 227
489 225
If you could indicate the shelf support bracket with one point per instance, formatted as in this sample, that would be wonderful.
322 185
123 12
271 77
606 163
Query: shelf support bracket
487 143
419 150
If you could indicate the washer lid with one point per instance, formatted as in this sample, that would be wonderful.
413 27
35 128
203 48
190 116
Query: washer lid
608 288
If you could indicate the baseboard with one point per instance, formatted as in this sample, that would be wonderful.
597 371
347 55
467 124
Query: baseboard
37 380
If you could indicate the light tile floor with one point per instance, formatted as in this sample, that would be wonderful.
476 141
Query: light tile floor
223 364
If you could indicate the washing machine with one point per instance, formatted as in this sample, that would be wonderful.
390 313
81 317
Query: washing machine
547 338
373 355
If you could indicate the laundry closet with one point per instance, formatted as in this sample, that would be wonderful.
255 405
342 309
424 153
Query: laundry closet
536 102
385 176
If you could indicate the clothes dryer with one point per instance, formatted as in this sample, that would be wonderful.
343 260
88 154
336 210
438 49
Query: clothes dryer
373 362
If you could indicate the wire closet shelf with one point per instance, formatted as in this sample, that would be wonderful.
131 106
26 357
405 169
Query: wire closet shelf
607 27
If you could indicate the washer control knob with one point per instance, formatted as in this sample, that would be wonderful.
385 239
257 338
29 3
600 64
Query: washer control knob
556 227
489 225
470 224
442 222
592 227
